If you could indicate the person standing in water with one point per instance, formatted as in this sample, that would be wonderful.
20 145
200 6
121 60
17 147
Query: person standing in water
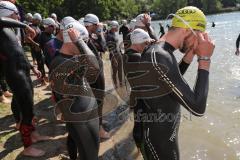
164 86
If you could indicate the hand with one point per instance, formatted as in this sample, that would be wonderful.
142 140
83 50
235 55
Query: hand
37 72
188 58
146 19
205 46
73 34
237 52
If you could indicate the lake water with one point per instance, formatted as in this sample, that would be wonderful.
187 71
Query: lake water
216 136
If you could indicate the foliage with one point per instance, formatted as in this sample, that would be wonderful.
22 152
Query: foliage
118 9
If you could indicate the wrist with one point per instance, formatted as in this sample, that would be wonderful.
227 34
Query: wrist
187 60
202 64
204 58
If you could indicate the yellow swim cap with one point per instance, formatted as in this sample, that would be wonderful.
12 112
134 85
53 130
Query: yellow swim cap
192 16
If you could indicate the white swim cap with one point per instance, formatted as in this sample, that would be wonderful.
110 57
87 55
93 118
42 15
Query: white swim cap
90 19
37 16
139 36
65 21
84 35
53 15
29 15
7 8
48 22
132 24
139 20
114 24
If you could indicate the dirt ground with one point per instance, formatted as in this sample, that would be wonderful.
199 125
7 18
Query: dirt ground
119 147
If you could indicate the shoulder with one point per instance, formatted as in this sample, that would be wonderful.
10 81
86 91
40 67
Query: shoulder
156 53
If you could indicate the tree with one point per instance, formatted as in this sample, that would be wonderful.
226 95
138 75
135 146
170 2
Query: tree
211 6
165 7
44 7
229 3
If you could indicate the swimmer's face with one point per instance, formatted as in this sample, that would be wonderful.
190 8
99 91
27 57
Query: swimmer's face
189 42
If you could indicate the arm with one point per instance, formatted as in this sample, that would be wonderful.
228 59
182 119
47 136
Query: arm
186 61
193 100
11 23
151 32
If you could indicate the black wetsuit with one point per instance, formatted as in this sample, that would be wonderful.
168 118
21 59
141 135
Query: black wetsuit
43 39
131 59
100 82
238 41
163 89
116 58
124 30
83 135
17 71
3 84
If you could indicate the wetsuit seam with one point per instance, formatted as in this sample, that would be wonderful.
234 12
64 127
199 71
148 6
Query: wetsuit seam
168 82
150 146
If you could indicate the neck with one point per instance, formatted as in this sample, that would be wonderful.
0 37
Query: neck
175 38
136 48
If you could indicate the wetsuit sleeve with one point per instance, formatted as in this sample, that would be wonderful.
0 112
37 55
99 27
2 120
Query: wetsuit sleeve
151 32
183 66
166 67
238 41
11 23
91 59
102 42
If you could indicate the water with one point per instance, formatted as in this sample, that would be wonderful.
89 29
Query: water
216 136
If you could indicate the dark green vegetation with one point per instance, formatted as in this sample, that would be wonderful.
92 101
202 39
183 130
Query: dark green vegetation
118 9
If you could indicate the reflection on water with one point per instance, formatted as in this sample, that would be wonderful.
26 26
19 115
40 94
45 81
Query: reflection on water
216 136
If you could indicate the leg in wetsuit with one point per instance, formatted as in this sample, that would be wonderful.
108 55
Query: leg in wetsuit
17 71
117 69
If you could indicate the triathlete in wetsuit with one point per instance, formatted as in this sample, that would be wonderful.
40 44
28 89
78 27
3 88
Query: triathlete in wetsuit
115 55
140 39
83 135
142 21
131 59
48 34
163 88
17 69
237 45
35 46
93 26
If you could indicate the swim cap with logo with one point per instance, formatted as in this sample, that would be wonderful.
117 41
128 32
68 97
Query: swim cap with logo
139 36
190 17
79 27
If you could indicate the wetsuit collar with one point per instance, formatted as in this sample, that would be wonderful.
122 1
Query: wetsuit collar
167 46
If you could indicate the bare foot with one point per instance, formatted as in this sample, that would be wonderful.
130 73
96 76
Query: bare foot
36 137
7 94
33 152
103 134
4 100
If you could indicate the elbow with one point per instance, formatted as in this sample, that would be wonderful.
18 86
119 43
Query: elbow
199 110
